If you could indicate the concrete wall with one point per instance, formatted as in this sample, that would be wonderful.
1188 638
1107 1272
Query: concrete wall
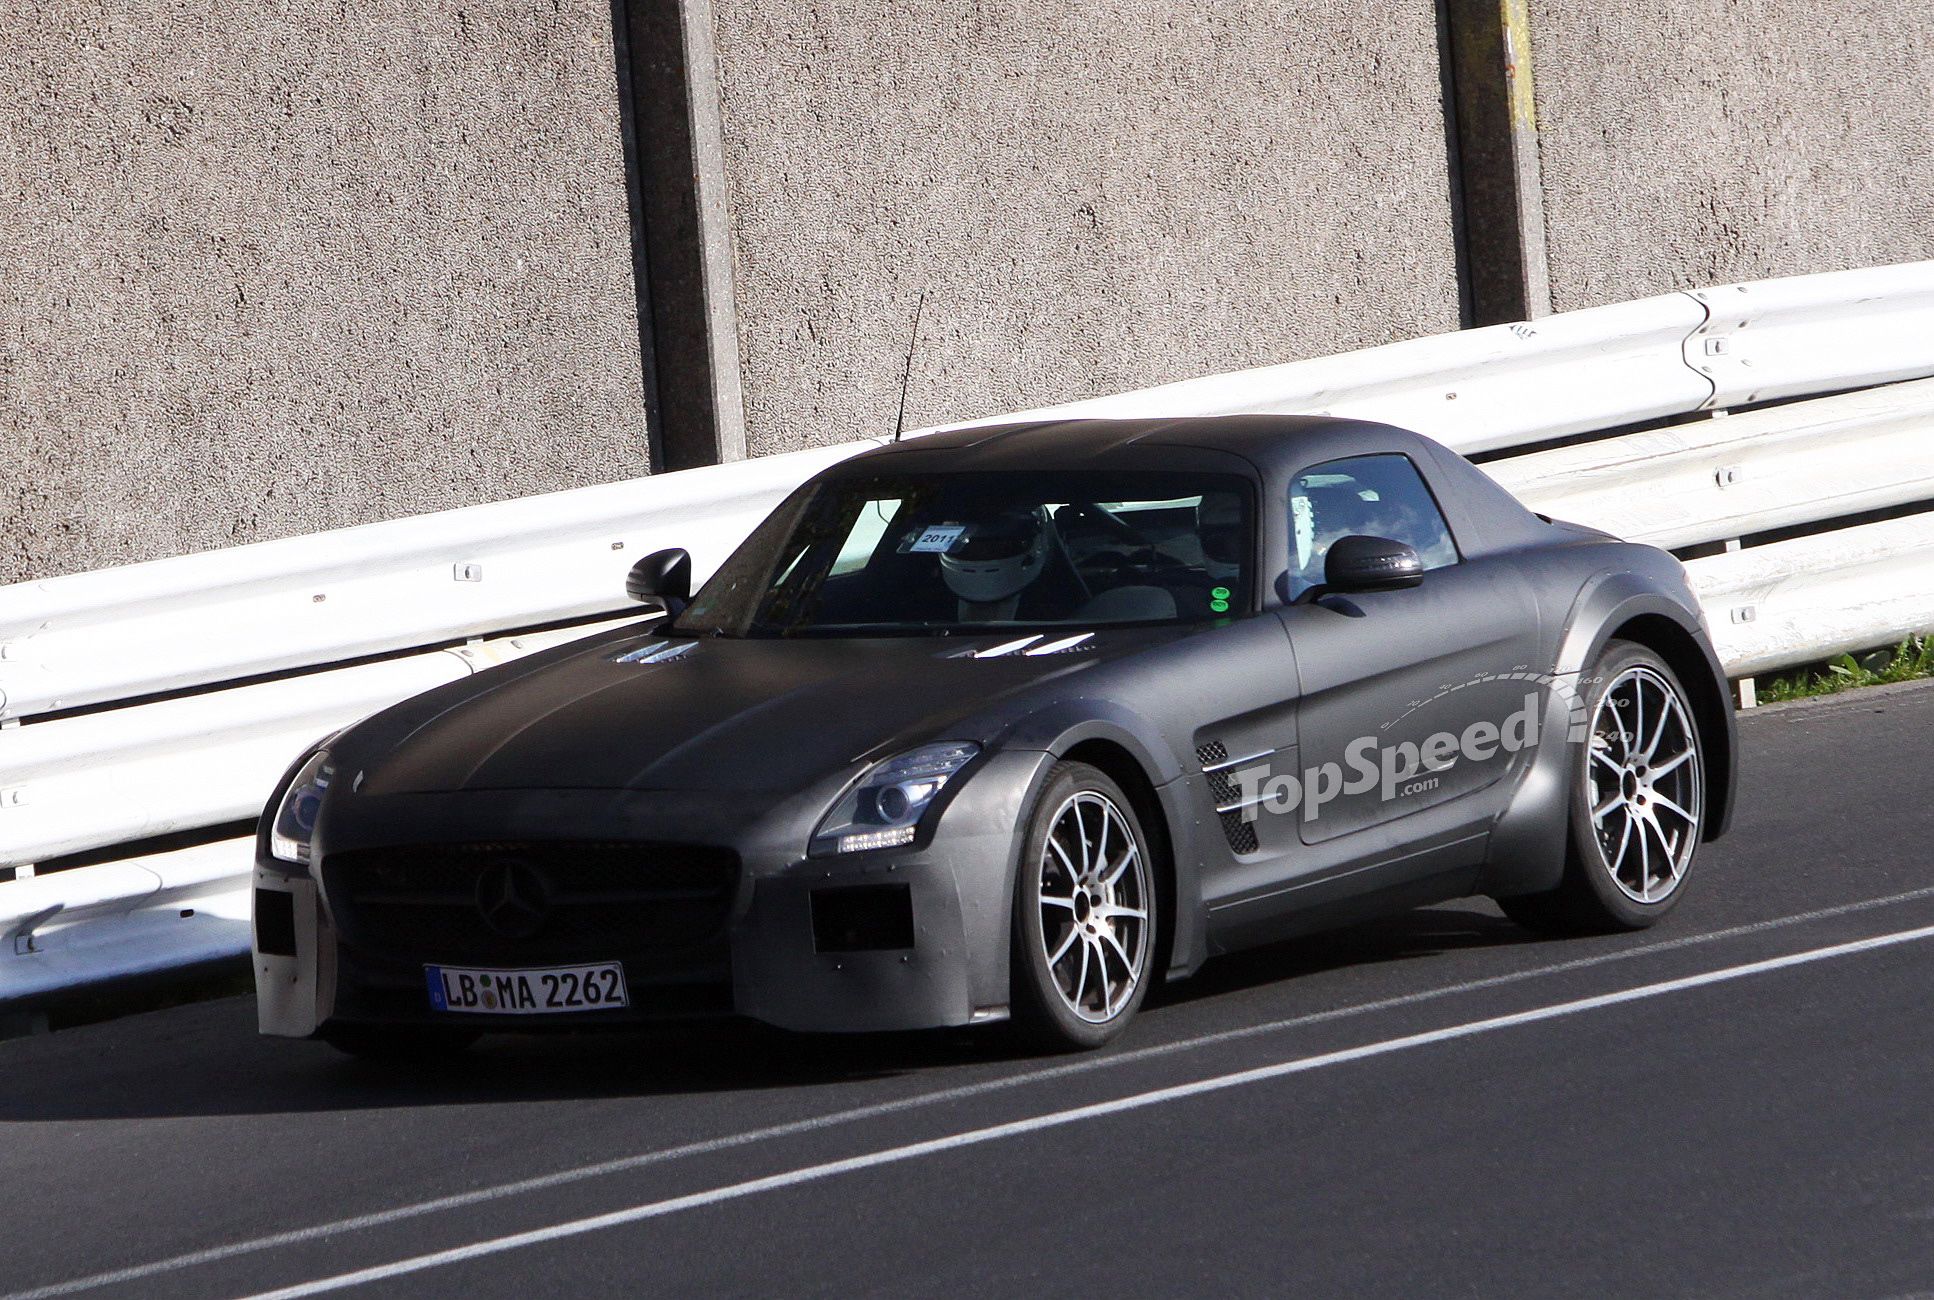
1690 142
270 269
1095 197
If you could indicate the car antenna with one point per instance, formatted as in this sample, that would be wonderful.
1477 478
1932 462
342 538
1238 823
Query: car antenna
906 375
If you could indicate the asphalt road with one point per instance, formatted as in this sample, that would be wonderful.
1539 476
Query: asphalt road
1739 1102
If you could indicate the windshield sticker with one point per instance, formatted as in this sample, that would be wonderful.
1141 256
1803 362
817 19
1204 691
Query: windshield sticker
935 539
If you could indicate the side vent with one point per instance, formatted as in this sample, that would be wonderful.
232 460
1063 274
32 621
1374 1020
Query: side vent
1240 833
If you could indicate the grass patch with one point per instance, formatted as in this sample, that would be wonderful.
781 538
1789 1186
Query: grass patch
1910 660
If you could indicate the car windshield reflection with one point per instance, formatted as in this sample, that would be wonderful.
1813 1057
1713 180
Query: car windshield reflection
943 553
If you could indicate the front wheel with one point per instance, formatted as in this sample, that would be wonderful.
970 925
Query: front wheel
1637 803
1084 914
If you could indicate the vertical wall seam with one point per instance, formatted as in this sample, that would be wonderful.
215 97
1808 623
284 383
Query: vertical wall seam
716 262
640 258
682 254
1454 166
1527 147
1497 160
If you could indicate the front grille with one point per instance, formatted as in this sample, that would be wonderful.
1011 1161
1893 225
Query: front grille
575 900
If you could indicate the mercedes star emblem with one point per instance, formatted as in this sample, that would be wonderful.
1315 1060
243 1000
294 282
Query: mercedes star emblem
513 900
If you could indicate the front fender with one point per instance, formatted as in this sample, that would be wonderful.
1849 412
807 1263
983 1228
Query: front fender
1059 727
1063 728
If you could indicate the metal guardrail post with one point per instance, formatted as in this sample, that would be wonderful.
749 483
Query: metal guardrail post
20 937
1745 689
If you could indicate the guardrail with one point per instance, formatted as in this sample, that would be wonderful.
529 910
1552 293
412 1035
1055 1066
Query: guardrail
1793 601
121 919
1477 390
1732 477
123 775
308 601
420 593
1506 386
1781 603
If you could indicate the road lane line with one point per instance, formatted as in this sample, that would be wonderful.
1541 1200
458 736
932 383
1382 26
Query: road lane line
1072 1115
876 1110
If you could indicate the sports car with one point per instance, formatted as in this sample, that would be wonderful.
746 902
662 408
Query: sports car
1010 724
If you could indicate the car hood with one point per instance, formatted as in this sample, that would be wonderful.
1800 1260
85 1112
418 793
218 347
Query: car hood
648 712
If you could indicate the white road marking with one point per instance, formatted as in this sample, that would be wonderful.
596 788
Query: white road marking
875 1110
1073 1115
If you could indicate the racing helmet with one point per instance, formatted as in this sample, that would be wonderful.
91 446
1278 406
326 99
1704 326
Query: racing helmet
996 558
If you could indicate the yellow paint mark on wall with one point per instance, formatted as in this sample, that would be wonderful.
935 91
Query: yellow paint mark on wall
1517 64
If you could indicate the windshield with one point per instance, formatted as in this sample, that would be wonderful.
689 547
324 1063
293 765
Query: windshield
940 553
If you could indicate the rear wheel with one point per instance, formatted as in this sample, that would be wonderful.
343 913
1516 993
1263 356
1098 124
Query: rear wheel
397 1043
1084 914
1637 803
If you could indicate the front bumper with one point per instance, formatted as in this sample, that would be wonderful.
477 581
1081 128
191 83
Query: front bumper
893 939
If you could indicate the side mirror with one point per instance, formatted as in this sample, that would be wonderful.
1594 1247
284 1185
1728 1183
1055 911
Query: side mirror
1359 563
664 576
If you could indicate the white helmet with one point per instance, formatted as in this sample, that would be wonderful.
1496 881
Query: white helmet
998 557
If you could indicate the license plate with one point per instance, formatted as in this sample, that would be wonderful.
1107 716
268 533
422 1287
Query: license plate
533 991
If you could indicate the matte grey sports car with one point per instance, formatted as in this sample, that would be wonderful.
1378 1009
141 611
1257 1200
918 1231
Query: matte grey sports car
1012 722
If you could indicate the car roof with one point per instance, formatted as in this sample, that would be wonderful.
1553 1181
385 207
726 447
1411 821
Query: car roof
1273 445
1269 448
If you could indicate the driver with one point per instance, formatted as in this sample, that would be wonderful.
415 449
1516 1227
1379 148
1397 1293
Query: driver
994 561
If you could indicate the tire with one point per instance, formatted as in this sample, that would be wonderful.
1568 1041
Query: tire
397 1043
1080 968
1637 803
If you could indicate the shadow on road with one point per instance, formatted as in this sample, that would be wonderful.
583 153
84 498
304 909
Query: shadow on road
206 1059
1429 932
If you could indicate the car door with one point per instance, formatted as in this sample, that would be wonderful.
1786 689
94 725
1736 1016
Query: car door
1411 699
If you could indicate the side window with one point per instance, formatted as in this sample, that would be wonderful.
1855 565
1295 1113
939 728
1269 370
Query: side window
1377 496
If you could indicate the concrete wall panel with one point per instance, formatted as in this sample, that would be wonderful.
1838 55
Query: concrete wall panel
1692 142
1094 197
275 268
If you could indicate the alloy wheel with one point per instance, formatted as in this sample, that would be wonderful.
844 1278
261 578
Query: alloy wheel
1094 907
1644 784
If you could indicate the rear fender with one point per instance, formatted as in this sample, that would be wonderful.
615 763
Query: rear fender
1528 845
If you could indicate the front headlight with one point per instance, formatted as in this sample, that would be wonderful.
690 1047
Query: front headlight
295 816
885 807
